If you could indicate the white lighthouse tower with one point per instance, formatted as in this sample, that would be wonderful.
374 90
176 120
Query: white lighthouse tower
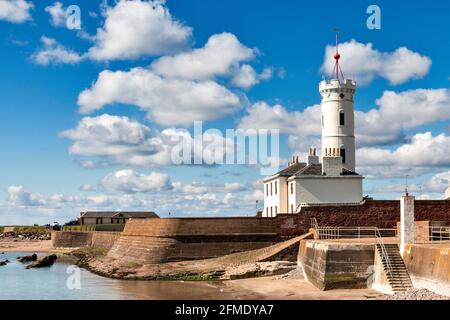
332 181
338 120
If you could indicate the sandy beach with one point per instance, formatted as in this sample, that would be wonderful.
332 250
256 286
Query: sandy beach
25 245
278 288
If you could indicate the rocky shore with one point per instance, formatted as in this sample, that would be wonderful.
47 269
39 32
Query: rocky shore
26 235
210 269
417 294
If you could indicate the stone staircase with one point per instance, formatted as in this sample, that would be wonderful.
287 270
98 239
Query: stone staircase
398 277
263 254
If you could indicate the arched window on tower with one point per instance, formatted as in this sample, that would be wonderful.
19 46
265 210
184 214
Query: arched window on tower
342 151
341 118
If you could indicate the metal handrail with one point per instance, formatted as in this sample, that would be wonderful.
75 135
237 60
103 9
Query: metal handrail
384 254
348 232
434 234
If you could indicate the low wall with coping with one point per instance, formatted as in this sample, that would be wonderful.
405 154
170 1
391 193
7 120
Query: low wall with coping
171 239
429 266
77 239
330 265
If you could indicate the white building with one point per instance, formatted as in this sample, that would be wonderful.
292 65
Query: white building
333 180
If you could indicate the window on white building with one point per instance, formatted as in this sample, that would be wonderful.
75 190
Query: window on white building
292 208
341 118
342 151
276 184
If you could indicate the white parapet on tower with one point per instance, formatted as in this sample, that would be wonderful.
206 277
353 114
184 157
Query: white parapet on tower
406 221
338 120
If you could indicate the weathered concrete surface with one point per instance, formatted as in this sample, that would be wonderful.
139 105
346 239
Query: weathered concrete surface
330 265
243 264
429 266
406 221
75 239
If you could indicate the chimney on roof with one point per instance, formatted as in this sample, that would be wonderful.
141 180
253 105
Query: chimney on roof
312 157
332 162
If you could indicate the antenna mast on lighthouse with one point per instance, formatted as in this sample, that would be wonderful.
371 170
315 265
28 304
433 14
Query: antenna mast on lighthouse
337 56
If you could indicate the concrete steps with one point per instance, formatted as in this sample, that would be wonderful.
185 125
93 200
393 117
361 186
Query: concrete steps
397 275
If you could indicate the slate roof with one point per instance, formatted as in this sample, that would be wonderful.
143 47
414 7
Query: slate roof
311 170
113 214
291 170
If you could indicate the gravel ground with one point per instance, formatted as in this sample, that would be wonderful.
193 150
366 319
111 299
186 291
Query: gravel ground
416 294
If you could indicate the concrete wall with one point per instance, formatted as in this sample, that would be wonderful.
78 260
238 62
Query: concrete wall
429 266
161 240
74 239
329 189
330 265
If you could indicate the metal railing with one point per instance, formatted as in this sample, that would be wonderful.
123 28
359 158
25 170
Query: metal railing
427 234
384 254
354 233
359 232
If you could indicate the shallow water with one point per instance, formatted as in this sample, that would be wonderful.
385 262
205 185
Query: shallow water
57 283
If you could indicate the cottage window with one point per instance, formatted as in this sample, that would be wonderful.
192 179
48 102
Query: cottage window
276 187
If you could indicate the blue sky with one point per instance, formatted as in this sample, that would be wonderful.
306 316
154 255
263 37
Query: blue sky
403 99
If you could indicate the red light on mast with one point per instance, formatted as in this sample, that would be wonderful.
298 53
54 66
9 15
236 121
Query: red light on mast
337 56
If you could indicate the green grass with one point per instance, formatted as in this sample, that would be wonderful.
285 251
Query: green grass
95 227
24 228
30 228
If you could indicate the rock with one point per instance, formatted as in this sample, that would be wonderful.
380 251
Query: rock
3 263
416 294
44 262
27 259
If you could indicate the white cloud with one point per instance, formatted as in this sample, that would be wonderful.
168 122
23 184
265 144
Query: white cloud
246 77
221 54
57 14
54 53
424 149
15 11
18 196
129 181
135 29
399 111
363 63
123 141
302 127
263 116
163 99
378 126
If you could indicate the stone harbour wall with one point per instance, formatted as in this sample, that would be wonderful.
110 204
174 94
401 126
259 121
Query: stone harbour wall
172 239
77 239
330 265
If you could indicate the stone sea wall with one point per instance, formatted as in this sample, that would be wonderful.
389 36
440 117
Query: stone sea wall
76 239
173 239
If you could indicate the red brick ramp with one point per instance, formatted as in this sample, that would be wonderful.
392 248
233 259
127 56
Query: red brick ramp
264 254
